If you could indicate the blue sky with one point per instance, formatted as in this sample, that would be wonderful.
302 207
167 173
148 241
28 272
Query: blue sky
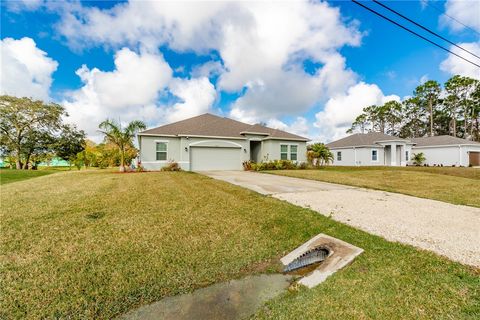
372 62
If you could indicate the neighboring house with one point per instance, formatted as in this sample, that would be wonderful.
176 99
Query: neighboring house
209 142
371 149
448 151
378 149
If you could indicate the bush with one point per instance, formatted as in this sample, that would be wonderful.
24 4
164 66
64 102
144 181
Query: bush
172 166
273 165
248 165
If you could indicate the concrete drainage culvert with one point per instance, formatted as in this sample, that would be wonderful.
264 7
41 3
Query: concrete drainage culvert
319 258
311 263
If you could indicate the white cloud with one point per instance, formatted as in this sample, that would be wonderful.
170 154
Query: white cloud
132 90
197 97
27 5
126 93
341 110
299 126
454 65
26 70
261 54
466 11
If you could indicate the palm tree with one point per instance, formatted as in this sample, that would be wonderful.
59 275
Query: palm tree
418 159
320 152
121 137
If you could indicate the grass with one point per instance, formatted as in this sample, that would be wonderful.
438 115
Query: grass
105 243
453 185
12 175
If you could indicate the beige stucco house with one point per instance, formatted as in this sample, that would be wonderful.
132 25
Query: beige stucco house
209 142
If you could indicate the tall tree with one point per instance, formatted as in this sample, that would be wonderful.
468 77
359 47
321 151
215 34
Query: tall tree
429 95
121 137
413 119
27 125
392 111
453 88
70 143
360 123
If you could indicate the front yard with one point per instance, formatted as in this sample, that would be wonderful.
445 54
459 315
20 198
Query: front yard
454 185
95 244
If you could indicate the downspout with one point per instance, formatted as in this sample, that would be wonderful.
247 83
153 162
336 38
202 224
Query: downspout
355 155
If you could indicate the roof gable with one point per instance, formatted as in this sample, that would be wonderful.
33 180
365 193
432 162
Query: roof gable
210 125
441 141
364 139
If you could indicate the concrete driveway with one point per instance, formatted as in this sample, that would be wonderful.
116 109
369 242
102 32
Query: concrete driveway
447 229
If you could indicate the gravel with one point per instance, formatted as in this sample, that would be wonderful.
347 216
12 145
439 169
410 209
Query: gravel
449 230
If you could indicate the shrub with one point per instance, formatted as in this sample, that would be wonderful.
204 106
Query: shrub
273 165
172 166
248 165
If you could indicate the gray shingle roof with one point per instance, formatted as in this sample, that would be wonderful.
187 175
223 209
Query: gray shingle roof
441 141
209 125
363 139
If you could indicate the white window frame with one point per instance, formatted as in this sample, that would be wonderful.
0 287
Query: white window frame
156 151
339 155
296 152
286 152
376 155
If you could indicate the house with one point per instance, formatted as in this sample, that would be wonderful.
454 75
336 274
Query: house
209 142
371 149
448 151
378 149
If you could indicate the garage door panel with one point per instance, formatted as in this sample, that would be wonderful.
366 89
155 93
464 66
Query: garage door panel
211 158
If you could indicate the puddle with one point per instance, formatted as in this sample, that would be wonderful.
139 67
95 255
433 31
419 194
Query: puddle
236 299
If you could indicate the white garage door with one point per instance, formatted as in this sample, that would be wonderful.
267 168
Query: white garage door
211 158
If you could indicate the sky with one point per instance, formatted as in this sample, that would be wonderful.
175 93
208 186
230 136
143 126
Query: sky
308 67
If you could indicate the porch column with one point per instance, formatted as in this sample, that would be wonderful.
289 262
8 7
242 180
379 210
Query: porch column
402 155
393 154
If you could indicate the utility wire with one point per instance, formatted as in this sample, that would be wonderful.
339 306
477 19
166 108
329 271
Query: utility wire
413 32
453 18
424 28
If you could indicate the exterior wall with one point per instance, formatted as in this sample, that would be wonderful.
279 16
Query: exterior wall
358 156
179 149
348 156
148 155
362 156
271 149
446 155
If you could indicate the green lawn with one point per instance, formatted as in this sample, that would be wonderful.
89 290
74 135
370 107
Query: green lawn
454 185
95 244
11 175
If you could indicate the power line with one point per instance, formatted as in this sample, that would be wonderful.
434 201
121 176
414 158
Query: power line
424 28
456 20
413 32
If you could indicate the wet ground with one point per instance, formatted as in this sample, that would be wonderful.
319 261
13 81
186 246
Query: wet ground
236 299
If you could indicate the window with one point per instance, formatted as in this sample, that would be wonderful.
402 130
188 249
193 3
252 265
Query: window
293 153
374 155
339 156
284 152
407 156
161 151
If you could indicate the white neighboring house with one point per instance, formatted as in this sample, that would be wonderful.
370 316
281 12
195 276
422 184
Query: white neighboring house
378 149
371 149
448 151
209 142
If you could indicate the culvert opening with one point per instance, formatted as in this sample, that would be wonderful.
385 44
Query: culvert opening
307 262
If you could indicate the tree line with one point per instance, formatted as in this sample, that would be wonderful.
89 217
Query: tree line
33 132
453 109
